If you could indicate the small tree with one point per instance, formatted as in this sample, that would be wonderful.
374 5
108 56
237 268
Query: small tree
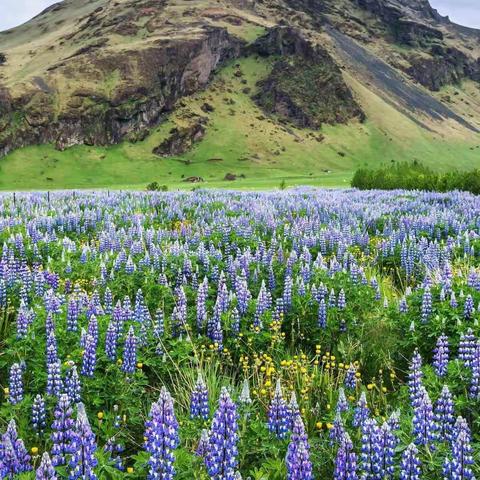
153 187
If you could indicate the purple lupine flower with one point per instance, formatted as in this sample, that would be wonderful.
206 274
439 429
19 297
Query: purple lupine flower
62 430
199 400
362 412
474 389
243 293
415 376
111 341
403 305
461 425
469 308
159 323
332 300
440 358
394 423
201 304
264 301
426 304
89 356
453 300
3 294
24 319
424 427
73 387
39 414
444 415
376 288
350 380
287 292
161 438
410 465
217 334
45 471
387 443
54 378
322 314
459 467
108 301
221 459
15 384
202 447
73 312
114 449
299 466
342 302
371 449
466 347
345 461
83 447
235 325
338 430
130 352
129 266
179 315
245 398
51 346
92 328
293 410
14 458
342 403
278 413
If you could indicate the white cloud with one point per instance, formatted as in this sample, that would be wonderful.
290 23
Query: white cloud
16 12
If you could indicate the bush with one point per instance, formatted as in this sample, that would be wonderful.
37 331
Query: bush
415 176
155 187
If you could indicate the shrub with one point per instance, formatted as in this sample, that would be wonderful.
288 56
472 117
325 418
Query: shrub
415 176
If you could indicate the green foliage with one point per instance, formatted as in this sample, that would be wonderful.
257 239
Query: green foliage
416 176
155 187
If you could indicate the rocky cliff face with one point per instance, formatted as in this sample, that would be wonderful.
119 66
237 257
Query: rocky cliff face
97 72
305 86
162 74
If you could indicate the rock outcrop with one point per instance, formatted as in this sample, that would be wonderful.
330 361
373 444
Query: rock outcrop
305 86
161 75
181 139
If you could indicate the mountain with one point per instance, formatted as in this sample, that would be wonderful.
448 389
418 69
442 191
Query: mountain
124 91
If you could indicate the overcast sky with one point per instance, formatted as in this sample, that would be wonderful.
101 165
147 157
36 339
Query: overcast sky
15 12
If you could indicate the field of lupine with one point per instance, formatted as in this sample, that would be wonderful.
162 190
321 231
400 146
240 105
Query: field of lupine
306 334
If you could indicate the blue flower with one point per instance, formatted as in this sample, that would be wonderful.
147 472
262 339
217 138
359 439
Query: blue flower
221 458
161 433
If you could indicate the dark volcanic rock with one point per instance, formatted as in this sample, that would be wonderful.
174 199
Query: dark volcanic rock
443 67
306 86
181 139
283 40
193 180
406 19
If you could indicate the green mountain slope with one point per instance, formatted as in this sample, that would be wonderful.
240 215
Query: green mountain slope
224 98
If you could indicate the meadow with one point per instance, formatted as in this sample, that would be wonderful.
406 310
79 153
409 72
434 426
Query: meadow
298 334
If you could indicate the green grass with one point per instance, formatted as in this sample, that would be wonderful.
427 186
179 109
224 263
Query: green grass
248 144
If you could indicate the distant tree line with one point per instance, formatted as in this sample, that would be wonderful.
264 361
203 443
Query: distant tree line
415 176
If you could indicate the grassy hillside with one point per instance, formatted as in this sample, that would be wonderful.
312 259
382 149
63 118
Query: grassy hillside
240 140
